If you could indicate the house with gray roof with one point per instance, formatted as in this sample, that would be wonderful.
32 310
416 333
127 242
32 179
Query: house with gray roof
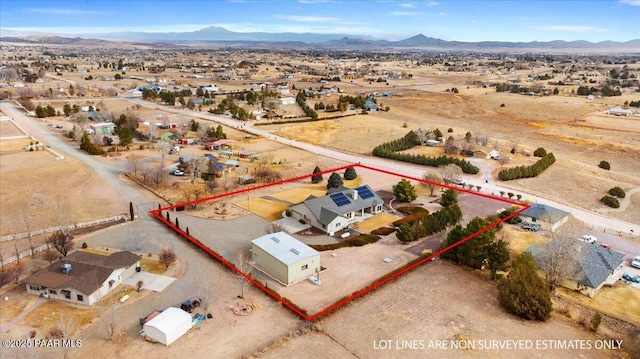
82 277
590 266
547 217
338 209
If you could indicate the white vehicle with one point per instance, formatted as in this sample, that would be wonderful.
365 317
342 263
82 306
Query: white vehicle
459 181
636 262
588 238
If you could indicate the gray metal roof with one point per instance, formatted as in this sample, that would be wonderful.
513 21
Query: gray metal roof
545 213
325 209
592 264
284 248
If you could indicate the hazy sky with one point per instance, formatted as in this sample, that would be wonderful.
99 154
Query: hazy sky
506 20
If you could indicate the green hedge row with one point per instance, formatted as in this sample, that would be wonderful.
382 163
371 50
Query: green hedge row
390 150
357 241
528 171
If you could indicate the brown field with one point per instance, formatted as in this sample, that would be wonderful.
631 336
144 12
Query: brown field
619 301
49 192
267 209
380 220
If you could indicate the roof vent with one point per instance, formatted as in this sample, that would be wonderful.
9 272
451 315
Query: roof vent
66 268
295 251
275 239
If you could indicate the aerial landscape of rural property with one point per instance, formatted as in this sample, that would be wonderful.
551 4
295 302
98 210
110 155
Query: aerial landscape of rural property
320 179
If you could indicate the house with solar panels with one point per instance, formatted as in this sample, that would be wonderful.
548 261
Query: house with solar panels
284 258
337 210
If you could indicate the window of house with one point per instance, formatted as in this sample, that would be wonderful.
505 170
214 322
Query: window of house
111 282
337 225
51 291
323 226
66 293
305 267
80 298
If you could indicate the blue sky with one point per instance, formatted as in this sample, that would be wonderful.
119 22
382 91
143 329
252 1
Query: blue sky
506 20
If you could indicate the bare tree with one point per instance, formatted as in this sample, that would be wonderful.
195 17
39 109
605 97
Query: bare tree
424 135
197 165
244 266
81 120
163 148
432 179
14 271
450 172
157 176
17 249
1 257
503 160
206 288
134 163
61 242
67 328
167 256
28 219
108 315
50 256
198 191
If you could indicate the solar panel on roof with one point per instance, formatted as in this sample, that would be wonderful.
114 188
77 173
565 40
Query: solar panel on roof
340 199
364 192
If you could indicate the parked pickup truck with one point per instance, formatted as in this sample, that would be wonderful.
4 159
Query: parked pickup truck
588 238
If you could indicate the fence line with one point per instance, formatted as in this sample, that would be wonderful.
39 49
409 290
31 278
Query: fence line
39 232
24 254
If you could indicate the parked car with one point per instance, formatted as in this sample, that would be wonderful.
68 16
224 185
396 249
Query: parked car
460 181
530 227
588 238
190 304
630 278
636 262
177 173
605 245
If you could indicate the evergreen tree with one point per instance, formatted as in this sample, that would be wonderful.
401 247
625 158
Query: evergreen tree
449 197
404 191
126 136
405 233
350 173
497 257
316 178
334 181
523 292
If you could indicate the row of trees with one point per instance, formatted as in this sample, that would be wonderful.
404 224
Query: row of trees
301 99
411 139
42 112
604 91
528 171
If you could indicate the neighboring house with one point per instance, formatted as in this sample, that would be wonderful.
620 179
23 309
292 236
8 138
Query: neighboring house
168 326
82 277
103 128
591 266
619 111
369 105
284 258
547 217
493 154
335 211
287 101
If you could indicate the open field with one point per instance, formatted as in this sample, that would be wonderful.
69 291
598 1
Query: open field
619 301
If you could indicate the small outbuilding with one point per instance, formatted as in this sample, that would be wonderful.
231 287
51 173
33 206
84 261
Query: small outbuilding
284 258
168 326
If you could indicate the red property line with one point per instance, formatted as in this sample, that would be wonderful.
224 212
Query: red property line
158 215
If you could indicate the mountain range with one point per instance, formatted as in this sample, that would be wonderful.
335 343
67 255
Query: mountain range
214 35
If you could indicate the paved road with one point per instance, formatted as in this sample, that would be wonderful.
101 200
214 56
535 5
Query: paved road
599 221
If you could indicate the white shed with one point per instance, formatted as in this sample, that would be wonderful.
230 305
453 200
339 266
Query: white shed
168 326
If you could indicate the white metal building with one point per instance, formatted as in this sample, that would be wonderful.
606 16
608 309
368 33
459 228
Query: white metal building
285 258
168 326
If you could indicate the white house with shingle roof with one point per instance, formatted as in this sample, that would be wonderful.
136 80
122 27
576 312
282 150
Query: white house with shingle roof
339 209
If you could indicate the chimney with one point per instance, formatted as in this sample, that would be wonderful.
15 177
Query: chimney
354 194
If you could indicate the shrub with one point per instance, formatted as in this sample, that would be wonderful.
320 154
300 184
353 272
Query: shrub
84 245
604 165
617 192
350 174
412 210
595 322
357 241
540 152
383 231
610 201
